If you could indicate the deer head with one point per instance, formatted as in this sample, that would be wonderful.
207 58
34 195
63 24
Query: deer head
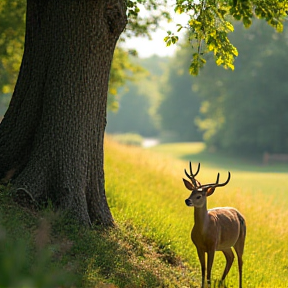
200 192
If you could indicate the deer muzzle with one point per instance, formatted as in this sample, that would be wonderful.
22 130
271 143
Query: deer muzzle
189 202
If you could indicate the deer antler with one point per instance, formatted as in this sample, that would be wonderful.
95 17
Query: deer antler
216 184
192 176
211 184
223 184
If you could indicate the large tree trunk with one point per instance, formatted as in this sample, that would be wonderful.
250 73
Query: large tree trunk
52 133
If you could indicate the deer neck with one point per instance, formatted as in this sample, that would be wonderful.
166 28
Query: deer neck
200 215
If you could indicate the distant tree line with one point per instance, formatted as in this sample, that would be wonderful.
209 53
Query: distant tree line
180 104
242 112
245 112
139 99
156 105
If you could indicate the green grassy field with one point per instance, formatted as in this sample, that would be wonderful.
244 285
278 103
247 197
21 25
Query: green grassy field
151 246
147 188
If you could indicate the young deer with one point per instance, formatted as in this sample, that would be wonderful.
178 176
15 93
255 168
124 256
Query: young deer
216 229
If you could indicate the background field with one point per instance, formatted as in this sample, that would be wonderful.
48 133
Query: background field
147 188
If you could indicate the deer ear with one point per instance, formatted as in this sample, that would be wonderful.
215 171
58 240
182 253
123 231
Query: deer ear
187 184
210 191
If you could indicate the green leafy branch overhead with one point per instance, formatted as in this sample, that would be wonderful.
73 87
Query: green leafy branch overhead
144 17
211 21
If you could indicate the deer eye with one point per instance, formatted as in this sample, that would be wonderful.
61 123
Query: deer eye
198 197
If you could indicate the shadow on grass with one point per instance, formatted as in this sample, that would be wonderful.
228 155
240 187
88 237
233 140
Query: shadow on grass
95 257
106 259
72 256
122 257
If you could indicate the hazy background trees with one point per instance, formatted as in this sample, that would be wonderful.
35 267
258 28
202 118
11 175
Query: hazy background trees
242 112
179 106
12 30
139 99
245 111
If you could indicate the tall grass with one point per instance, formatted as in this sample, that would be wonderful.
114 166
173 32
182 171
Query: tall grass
146 187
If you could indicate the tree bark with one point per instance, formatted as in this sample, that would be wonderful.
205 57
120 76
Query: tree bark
52 133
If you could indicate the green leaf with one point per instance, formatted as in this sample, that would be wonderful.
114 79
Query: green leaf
174 39
166 38
168 42
180 27
247 22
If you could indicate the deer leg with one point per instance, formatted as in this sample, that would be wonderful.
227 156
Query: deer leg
209 265
229 255
201 256
239 248
240 264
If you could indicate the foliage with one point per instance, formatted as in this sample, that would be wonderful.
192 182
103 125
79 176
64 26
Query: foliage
208 26
144 17
179 104
132 115
138 103
12 28
17 270
244 112
211 22
123 70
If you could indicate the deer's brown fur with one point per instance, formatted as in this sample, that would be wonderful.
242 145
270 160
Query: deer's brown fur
217 229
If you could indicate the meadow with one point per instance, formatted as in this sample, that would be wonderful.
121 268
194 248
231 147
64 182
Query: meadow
146 187
151 245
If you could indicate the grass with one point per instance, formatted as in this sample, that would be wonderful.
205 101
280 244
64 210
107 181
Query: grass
151 246
196 152
150 193
260 193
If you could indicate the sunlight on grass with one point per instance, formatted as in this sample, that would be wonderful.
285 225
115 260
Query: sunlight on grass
147 188
196 152
180 149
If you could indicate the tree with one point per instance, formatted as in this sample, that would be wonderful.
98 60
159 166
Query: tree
179 105
244 112
53 131
137 104
51 138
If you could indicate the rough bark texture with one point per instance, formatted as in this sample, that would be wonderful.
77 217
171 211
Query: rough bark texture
52 134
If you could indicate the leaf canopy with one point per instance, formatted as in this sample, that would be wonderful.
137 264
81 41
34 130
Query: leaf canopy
211 21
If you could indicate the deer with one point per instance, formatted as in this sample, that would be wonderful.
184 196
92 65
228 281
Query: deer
217 229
